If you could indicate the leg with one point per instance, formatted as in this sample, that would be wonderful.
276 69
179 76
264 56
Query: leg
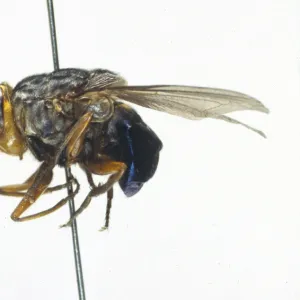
15 190
103 167
89 177
44 174
53 208
110 195
62 186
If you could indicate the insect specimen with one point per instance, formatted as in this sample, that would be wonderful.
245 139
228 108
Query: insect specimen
75 116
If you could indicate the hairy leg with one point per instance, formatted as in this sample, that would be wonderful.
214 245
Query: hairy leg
102 167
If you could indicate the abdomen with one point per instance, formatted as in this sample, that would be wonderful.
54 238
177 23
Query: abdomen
135 144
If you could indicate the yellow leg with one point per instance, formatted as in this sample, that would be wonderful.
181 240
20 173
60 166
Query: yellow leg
15 190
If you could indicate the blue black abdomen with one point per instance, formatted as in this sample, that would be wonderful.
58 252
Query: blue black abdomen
136 145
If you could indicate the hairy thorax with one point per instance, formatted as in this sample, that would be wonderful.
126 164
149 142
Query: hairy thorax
48 113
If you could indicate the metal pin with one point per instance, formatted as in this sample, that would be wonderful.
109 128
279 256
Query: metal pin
76 248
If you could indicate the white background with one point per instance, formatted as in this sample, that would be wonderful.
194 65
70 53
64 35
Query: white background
221 217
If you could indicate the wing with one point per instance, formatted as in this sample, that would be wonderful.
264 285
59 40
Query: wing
189 102
102 78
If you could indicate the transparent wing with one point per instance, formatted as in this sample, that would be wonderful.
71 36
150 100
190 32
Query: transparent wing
190 102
